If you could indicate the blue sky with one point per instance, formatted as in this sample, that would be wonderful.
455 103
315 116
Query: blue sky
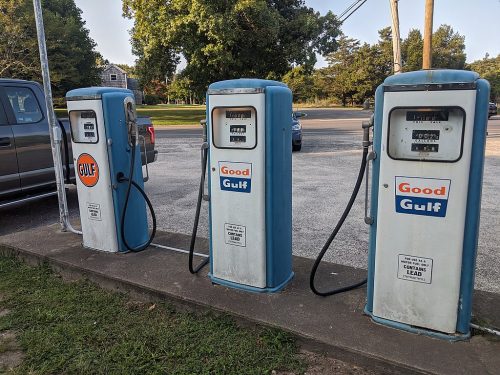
478 20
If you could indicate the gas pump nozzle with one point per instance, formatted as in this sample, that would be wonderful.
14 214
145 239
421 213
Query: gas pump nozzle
366 125
131 118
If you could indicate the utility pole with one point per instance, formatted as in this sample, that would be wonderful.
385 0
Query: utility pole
396 40
429 15
54 130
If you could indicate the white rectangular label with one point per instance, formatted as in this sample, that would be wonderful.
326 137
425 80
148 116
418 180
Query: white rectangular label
414 268
94 211
235 234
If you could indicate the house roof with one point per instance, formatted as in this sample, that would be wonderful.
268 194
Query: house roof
114 66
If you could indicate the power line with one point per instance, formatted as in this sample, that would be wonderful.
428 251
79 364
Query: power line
350 10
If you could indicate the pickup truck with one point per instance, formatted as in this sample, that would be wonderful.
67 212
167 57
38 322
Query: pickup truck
26 164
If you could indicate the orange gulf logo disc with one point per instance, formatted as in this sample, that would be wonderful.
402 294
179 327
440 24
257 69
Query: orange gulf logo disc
87 170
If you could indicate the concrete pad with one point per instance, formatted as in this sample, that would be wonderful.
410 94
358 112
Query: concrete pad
335 324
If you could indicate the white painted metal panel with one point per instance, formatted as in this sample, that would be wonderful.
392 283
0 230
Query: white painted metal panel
96 202
418 257
238 231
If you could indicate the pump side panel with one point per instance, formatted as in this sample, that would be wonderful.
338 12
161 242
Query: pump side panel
432 243
96 202
136 222
237 217
279 184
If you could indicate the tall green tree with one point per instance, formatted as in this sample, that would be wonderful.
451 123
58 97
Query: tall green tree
489 68
339 76
411 51
301 82
448 48
224 39
71 51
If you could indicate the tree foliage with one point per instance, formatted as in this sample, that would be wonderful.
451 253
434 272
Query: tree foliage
71 51
224 39
489 68
354 71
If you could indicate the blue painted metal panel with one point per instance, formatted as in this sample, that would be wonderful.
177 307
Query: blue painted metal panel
377 146
209 179
473 207
119 153
278 185
432 77
244 83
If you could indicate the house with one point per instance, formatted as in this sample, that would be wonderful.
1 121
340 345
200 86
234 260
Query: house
114 76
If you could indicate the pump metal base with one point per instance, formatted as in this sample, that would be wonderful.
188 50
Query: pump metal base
249 288
419 331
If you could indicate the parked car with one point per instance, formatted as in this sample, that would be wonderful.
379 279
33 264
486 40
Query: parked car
26 163
492 110
297 131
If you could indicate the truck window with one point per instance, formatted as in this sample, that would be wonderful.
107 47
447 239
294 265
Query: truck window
3 117
24 105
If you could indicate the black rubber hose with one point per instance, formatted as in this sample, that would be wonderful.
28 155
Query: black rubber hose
197 217
334 234
127 196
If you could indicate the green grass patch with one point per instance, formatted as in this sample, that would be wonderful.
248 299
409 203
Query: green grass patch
172 114
164 114
79 328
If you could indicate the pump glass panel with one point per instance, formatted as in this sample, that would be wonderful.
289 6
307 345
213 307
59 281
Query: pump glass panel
234 127
83 126
426 133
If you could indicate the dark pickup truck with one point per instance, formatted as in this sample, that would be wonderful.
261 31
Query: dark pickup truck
26 164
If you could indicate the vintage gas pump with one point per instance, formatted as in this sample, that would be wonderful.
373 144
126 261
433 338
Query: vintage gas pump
430 132
250 184
429 140
108 167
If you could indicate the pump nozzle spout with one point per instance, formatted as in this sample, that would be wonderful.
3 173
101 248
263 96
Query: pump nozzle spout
366 125
203 124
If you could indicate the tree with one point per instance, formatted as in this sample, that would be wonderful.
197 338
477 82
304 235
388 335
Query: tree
489 68
355 70
130 69
301 82
448 48
71 51
411 51
338 76
224 39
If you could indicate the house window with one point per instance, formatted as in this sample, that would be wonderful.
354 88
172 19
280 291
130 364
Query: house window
112 77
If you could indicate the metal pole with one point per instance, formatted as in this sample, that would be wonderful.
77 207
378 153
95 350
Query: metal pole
396 40
54 130
427 53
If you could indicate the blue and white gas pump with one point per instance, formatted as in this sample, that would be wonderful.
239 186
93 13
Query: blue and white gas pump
108 167
249 140
428 156
430 132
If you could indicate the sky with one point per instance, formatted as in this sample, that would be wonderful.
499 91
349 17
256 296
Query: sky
477 20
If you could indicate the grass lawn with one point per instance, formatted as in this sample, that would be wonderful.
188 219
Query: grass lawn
78 328
164 114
